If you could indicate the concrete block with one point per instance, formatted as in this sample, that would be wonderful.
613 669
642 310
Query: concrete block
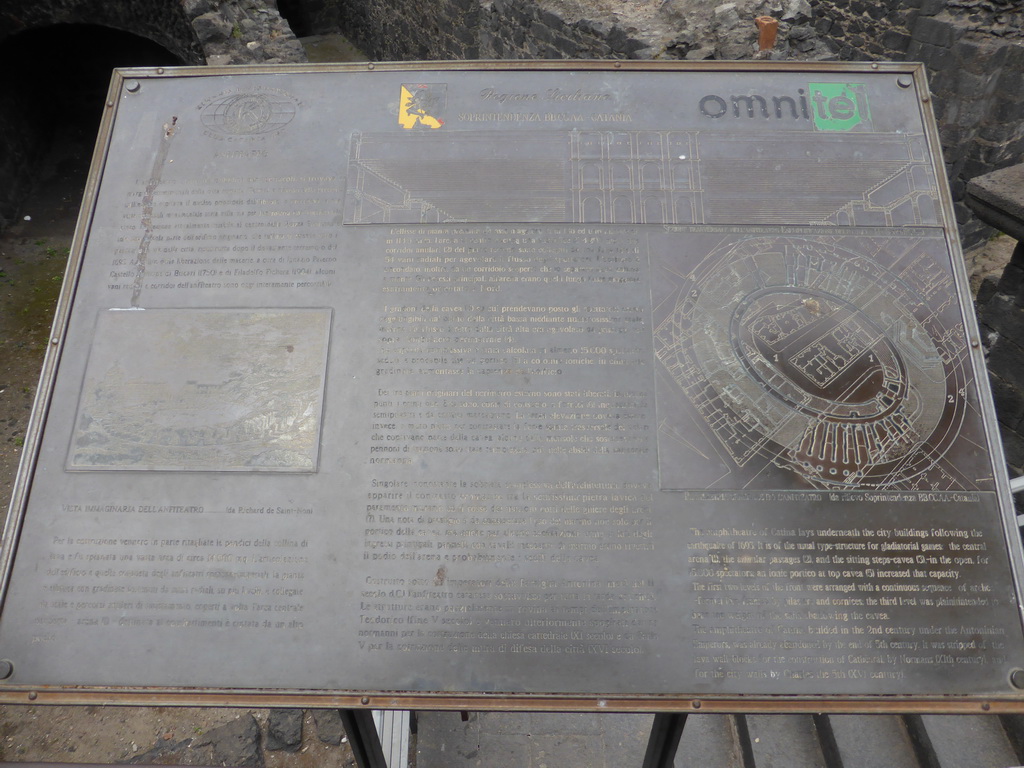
789 740
872 741
968 740
520 739
1003 192
711 741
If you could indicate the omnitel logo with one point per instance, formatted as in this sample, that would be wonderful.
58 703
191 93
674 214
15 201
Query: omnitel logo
831 106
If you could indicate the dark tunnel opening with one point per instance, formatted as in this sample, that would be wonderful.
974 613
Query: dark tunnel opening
50 111
297 15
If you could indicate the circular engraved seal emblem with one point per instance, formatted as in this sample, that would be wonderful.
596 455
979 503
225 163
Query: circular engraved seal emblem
248 114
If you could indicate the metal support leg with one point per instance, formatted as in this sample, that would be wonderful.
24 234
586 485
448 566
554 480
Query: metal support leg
362 736
665 735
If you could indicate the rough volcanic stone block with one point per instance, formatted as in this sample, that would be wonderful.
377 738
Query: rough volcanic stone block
896 41
935 32
1006 360
1009 401
212 28
328 726
1013 447
284 730
932 7
236 743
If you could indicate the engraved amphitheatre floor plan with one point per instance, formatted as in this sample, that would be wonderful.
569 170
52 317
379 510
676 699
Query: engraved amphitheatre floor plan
839 358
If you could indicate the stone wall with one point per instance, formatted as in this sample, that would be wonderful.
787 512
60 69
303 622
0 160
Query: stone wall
974 53
404 30
1001 317
979 105
400 30
408 30
974 49
522 29
242 32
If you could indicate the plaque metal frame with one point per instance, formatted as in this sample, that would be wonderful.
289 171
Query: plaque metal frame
126 80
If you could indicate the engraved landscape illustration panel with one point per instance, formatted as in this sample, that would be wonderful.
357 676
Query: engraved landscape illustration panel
210 390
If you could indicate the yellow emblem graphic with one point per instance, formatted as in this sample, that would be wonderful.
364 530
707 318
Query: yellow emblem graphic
420 104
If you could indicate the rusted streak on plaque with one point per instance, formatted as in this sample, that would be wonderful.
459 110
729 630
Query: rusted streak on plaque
170 129
203 390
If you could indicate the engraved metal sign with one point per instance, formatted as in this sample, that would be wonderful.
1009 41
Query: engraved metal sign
516 386
196 390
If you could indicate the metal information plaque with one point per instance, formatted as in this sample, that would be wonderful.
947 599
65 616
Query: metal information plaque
481 385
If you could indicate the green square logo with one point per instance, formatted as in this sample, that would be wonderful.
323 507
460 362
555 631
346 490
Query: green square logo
840 106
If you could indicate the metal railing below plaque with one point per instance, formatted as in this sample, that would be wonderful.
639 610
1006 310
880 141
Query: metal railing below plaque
638 387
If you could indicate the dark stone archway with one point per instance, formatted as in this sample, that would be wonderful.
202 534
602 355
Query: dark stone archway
163 23
62 52
51 104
